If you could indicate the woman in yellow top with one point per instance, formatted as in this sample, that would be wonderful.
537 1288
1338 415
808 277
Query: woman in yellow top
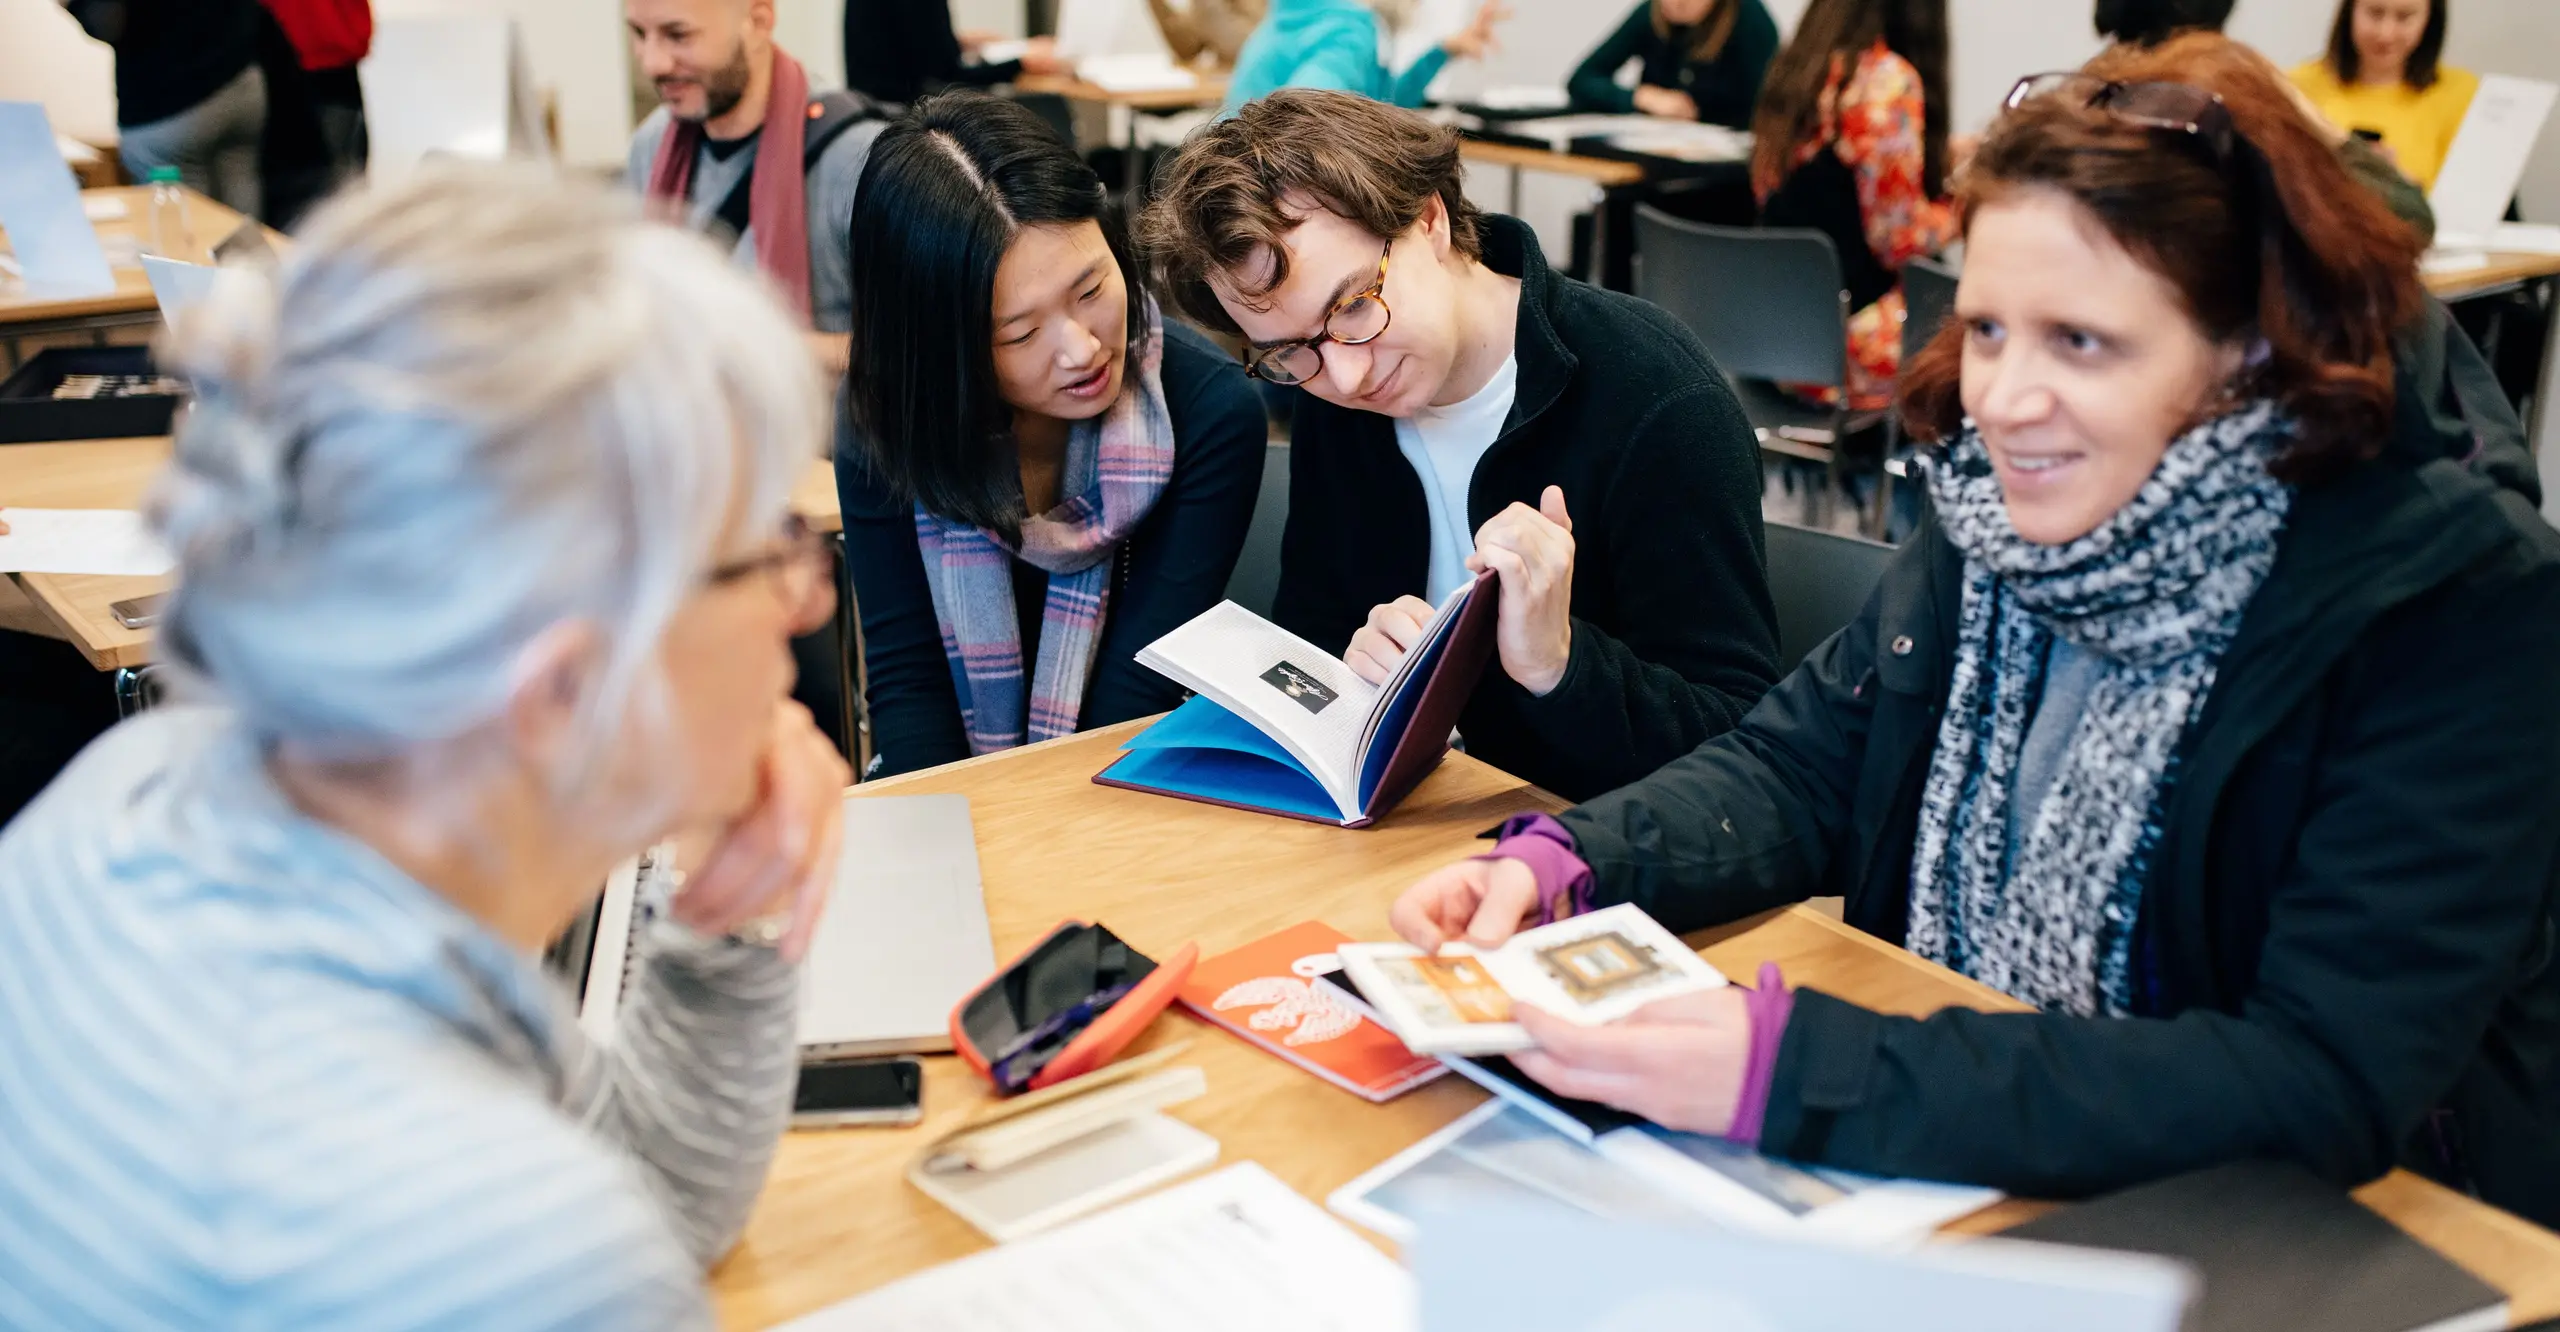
2381 81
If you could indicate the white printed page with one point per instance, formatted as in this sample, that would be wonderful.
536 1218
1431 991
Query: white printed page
1236 1250
1295 692
2488 158
1597 969
81 541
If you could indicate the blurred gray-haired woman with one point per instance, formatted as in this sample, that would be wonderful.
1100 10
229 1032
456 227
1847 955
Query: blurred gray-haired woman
486 583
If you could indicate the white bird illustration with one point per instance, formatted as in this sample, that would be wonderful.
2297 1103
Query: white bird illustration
1309 1013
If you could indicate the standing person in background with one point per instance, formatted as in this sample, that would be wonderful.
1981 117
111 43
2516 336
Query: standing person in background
899 50
1702 60
2384 79
1851 140
1335 44
330 38
1217 28
1040 474
189 93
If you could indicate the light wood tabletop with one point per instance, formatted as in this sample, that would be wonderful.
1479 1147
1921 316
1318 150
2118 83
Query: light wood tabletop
2502 270
1606 172
1209 90
115 473
209 221
837 1218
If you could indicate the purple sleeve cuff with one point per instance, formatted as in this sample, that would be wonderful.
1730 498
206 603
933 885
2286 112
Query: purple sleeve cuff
1539 842
1767 1006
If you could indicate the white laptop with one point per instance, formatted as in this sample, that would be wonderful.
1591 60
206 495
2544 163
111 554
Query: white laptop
905 937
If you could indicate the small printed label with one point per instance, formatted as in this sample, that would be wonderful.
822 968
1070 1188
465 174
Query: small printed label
1309 691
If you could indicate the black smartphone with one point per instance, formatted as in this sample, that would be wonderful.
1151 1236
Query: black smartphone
140 612
845 1093
2368 135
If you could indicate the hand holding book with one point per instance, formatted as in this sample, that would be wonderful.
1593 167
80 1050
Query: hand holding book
1678 1062
1531 552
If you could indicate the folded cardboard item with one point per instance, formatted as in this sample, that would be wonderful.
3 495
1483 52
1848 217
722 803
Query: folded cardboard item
1027 1164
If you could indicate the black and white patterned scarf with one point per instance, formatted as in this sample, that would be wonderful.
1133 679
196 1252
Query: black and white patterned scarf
2156 591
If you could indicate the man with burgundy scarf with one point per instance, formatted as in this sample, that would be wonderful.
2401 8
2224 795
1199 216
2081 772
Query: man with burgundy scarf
735 113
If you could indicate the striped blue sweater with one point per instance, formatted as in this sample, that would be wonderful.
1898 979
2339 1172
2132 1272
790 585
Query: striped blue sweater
252 1076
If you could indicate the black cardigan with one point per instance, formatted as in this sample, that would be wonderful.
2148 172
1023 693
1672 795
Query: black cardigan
1674 636
1178 562
899 50
2351 913
1726 88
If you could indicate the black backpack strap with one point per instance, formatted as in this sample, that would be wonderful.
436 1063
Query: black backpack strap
830 116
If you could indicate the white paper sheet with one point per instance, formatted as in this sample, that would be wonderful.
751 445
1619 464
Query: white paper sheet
80 541
2487 160
178 287
50 235
1236 1251
1526 1265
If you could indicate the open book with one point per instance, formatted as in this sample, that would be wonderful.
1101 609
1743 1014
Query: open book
1282 726
1592 969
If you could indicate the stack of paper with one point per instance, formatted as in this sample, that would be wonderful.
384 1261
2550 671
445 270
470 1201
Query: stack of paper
80 541
1236 1251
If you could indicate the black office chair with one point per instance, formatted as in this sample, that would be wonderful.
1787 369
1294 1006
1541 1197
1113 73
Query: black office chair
1928 301
1256 580
1771 308
1820 581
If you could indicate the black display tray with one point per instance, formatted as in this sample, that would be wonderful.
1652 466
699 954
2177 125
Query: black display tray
29 413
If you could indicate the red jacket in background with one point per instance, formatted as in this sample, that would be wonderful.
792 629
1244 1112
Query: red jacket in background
327 34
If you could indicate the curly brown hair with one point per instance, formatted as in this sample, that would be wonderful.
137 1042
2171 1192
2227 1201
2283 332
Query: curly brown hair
1218 204
2279 243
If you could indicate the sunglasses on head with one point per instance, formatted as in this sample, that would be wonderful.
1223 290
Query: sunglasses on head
2177 108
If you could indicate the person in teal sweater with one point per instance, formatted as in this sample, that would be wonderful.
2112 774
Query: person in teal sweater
1703 60
1334 44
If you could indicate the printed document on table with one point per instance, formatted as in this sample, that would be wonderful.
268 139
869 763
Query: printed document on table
81 541
1237 1251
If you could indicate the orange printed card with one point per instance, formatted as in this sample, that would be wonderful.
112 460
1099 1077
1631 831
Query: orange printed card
1266 992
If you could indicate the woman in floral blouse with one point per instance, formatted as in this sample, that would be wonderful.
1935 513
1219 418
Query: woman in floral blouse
1852 141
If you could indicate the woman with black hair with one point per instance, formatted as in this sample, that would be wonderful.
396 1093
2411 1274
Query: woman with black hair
1040 475
2383 79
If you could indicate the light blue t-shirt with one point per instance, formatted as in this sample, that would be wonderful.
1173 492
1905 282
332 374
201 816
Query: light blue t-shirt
1444 444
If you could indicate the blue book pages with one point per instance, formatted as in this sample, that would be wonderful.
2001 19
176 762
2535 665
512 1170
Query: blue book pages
1398 716
1227 777
1201 724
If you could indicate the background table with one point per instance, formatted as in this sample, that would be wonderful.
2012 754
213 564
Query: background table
1210 90
25 319
837 1217
115 474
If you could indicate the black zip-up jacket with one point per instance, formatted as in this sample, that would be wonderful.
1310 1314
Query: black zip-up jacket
1674 637
2351 914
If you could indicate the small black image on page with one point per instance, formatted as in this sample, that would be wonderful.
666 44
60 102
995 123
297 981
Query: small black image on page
1309 691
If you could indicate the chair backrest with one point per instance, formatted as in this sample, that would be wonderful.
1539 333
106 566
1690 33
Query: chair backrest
1820 581
1767 303
1257 577
1928 297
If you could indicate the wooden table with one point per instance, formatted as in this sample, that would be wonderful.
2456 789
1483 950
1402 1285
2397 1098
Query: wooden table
838 1219
131 303
115 473
1209 90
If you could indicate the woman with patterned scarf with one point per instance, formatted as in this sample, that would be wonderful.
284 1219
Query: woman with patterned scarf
2211 714
1039 475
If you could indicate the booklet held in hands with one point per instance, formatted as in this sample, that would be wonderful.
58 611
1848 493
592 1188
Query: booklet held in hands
1282 726
1592 970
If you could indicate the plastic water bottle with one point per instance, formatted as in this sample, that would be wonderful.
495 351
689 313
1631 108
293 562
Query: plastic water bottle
168 235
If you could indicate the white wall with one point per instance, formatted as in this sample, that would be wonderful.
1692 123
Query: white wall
44 57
